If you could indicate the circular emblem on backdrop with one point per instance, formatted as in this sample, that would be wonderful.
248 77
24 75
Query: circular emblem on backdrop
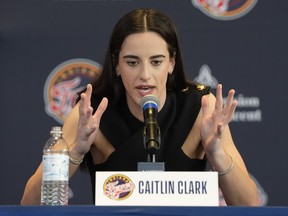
64 82
225 9
118 187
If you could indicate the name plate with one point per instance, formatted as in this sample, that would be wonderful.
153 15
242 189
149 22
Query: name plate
156 189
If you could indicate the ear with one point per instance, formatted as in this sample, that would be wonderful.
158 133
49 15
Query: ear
172 64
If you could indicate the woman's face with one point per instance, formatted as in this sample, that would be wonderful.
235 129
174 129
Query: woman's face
143 65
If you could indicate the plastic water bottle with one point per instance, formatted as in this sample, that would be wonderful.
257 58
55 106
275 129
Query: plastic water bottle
55 177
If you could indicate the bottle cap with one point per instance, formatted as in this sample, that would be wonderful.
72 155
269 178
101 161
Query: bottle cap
56 129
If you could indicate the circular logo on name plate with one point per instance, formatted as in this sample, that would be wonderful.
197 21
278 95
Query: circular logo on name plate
63 84
118 187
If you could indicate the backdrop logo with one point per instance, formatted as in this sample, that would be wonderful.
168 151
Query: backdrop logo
225 9
248 108
205 77
64 82
118 187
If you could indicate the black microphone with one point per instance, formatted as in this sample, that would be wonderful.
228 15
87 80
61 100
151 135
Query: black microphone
151 133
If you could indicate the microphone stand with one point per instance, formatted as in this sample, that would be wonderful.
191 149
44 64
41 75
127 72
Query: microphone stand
151 158
152 145
152 142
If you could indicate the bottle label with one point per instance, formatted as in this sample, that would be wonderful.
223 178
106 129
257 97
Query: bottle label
55 167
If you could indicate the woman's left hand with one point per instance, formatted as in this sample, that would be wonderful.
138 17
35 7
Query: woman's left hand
215 119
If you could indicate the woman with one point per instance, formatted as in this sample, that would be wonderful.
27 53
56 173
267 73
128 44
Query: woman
143 58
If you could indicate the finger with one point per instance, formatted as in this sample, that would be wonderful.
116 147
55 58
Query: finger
101 109
86 125
89 93
82 106
85 101
85 114
231 111
205 106
230 97
229 101
219 99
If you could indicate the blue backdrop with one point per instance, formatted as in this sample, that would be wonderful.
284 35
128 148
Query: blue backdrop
242 45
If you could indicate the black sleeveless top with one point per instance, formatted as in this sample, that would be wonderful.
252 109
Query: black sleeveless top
125 133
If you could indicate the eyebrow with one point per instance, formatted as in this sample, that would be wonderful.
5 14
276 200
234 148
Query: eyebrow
137 57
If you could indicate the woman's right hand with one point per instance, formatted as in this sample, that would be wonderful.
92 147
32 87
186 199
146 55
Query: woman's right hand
88 124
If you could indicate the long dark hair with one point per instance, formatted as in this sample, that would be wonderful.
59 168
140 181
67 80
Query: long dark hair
137 21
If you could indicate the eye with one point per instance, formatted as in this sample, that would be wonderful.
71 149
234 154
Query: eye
156 62
132 63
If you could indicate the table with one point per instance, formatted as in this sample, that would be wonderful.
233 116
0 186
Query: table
113 211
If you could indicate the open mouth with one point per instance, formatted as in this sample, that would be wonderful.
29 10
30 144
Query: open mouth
145 89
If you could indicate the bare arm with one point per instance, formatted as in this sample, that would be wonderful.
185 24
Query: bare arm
80 130
237 187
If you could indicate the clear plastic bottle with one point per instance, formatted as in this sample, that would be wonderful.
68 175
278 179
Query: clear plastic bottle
55 177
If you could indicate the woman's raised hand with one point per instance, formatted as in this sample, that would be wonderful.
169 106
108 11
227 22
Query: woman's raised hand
214 120
89 123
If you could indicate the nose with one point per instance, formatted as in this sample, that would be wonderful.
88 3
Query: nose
145 72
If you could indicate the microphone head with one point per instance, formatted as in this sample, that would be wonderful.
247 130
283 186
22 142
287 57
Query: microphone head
149 101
